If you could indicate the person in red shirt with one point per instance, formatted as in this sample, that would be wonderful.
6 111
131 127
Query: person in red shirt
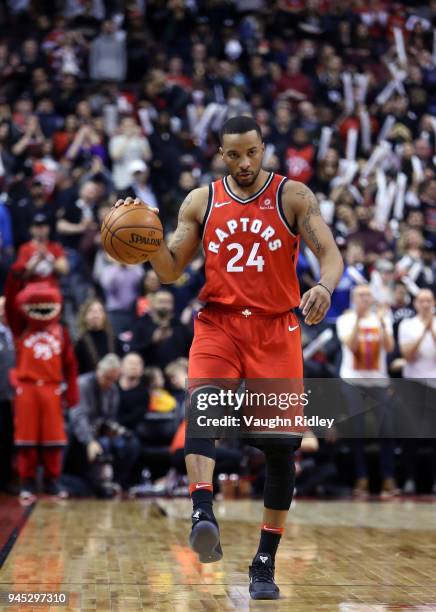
293 83
40 259
300 157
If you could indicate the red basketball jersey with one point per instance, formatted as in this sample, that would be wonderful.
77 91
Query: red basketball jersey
250 250
39 355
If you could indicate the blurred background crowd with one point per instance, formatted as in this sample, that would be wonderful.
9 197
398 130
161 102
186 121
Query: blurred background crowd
101 99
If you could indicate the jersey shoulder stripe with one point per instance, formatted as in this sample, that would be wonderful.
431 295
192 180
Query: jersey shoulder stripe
208 210
279 206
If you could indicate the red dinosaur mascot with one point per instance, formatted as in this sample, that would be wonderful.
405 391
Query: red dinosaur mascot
45 365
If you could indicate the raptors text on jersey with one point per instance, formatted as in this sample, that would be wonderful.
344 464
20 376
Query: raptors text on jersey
250 250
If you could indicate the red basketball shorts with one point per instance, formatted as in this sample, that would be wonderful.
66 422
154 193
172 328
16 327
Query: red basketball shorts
231 345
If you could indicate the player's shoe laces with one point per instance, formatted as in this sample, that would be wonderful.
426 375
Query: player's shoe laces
205 537
261 574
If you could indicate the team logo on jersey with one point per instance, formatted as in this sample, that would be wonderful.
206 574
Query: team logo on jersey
245 225
266 205
44 345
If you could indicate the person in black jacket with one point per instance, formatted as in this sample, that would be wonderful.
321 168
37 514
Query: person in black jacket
159 337
134 392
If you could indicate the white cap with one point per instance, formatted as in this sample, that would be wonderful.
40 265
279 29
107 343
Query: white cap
138 165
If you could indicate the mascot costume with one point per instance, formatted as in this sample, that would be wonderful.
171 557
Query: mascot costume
45 378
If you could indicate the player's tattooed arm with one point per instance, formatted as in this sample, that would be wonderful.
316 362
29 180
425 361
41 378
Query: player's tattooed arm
301 206
307 221
183 226
170 260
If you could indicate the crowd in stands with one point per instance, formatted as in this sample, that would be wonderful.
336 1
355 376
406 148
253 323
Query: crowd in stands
102 99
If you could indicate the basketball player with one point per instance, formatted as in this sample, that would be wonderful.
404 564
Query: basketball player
249 224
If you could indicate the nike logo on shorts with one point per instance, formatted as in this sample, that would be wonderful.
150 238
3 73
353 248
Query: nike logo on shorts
219 204
293 328
200 486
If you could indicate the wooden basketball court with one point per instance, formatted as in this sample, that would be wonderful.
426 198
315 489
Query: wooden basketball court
128 555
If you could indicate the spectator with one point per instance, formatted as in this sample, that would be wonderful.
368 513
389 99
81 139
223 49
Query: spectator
382 281
87 143
108 57
411 267
294 84
120 284
151 284
299 157
94 421
417 341
162 402
176 373
366 338
40 259
158 425
134 393
159 337
149 410
63 138
170 209
74 220
354 274
373 240
139 187
24 203
95 335
127 146
401 307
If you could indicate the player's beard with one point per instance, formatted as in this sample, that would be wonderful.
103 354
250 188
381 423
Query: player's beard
246 182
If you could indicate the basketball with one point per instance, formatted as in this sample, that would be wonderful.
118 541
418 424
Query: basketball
130 233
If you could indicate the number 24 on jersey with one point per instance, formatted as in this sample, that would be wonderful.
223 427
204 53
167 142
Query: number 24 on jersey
253 259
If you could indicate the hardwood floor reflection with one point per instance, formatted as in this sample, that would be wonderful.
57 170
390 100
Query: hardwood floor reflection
124 555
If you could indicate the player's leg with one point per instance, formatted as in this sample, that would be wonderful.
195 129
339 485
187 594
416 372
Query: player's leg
200 465
278 492
283 360
210 360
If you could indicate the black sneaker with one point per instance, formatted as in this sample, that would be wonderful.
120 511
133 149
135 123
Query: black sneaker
205 537
261 573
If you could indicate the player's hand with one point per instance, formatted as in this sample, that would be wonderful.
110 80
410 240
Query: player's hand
314 305
135 201
93 449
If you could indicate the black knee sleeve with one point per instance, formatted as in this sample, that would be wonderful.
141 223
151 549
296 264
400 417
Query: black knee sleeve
279 478
194 445
200 446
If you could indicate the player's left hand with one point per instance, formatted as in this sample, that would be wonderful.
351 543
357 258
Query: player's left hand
314 305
